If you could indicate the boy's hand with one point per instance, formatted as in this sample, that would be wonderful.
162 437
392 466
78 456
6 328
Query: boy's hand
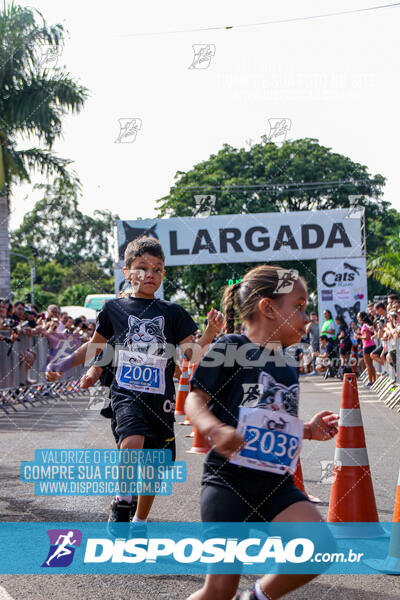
215 322
90 377
227 441
323 425
53 375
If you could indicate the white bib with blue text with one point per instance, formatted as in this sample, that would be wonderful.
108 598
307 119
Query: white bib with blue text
273 440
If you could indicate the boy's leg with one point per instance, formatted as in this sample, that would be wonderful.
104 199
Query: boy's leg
136 442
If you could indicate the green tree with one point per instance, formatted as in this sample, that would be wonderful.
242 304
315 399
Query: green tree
75 295
385 265
61 232
32 105
298 175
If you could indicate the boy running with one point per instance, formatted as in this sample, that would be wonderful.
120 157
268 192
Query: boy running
146 331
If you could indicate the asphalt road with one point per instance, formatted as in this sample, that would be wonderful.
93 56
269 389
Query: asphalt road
68 424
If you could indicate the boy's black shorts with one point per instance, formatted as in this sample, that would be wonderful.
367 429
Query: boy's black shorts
135 417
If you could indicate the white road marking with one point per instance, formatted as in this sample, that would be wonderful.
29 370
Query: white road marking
4 595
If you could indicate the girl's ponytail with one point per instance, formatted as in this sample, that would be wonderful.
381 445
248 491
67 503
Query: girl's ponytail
228 306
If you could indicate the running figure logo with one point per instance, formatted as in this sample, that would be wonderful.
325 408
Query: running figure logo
62 547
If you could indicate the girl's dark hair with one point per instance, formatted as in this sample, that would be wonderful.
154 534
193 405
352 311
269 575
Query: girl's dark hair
365 318
141 245
328 311
264 281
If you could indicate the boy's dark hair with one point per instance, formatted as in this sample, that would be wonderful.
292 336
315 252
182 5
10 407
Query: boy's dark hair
140 246
260 282
393 296
380 305
323 337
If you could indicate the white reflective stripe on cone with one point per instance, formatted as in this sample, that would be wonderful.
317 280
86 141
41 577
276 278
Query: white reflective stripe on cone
350 417
352 457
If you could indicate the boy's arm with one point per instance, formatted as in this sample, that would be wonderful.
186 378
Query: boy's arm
84 354
194 350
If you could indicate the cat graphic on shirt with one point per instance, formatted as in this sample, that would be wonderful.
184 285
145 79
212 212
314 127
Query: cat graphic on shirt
268 393
146 335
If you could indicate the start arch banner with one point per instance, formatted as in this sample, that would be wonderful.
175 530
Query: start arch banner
259 237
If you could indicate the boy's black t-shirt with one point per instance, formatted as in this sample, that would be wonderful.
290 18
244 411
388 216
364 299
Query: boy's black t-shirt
235 372
147 326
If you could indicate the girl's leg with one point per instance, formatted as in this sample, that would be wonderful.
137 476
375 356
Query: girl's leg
370 368
135 442
276 586
217 587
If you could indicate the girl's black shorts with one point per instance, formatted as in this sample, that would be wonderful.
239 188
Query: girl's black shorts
238 494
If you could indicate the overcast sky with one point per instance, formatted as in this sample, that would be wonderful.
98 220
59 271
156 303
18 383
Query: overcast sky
336 79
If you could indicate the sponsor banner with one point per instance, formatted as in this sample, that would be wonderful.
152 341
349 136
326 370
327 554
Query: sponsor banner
191 548
102 472
342 287
260 237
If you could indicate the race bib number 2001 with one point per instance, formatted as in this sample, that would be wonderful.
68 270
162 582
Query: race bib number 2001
272 440
141 372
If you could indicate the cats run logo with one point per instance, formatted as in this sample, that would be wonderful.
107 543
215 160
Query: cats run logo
63 543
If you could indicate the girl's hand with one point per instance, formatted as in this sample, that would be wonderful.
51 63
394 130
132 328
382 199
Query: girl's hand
227 441
323 425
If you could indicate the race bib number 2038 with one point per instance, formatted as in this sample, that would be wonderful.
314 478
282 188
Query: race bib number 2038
272 440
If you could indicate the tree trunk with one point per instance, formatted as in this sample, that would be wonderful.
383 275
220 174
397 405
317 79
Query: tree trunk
4 248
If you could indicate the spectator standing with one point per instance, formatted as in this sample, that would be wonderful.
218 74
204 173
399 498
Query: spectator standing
368 346
328 326
312 329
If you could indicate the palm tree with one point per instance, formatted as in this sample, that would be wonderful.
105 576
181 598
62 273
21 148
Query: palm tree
33 100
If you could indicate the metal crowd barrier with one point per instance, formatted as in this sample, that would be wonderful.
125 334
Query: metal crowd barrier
22 384
387 384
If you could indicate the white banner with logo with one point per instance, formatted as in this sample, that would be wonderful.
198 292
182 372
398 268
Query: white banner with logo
342 287
260 237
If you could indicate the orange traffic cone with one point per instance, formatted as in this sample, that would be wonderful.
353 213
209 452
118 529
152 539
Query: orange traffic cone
183 388
299 482
391 564
352 498
200 444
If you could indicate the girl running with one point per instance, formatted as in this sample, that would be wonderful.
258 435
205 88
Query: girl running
255 388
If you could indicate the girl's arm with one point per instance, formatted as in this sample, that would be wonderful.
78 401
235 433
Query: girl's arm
225 439
322 427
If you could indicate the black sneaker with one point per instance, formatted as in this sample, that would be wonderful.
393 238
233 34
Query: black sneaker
121 512
246 595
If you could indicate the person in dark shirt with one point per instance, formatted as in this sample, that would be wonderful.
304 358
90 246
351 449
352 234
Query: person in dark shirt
145 332
244 398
